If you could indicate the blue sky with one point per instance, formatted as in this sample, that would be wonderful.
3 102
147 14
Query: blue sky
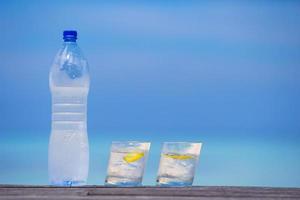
157 56
162 70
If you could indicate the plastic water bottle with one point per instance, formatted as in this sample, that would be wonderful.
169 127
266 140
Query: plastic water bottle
69 84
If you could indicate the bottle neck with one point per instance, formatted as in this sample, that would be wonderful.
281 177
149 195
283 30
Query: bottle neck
70 42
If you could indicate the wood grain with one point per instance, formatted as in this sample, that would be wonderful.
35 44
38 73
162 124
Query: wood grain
17 192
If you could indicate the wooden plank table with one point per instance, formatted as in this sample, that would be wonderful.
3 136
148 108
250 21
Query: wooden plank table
17 192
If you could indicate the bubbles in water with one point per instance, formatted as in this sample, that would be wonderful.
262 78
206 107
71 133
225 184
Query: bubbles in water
73 71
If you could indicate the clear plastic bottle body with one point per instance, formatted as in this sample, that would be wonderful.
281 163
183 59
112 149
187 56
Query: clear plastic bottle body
68 159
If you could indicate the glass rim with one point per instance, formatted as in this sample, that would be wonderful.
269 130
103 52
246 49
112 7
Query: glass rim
129 141
198 143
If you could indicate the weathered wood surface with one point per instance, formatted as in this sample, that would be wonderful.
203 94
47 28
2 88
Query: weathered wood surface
16 192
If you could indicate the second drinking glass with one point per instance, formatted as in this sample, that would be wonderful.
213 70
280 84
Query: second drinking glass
178 163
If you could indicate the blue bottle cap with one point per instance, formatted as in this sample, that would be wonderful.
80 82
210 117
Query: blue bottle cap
70 35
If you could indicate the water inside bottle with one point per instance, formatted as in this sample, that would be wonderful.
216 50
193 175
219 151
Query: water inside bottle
69 150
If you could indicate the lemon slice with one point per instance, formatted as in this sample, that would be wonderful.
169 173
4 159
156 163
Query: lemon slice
179 157
133 156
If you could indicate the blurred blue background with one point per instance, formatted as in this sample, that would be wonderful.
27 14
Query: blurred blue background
222 72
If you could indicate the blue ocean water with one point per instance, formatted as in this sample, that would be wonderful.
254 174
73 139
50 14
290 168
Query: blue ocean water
222 72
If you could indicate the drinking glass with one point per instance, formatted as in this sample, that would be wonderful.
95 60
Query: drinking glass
178 163
127 163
